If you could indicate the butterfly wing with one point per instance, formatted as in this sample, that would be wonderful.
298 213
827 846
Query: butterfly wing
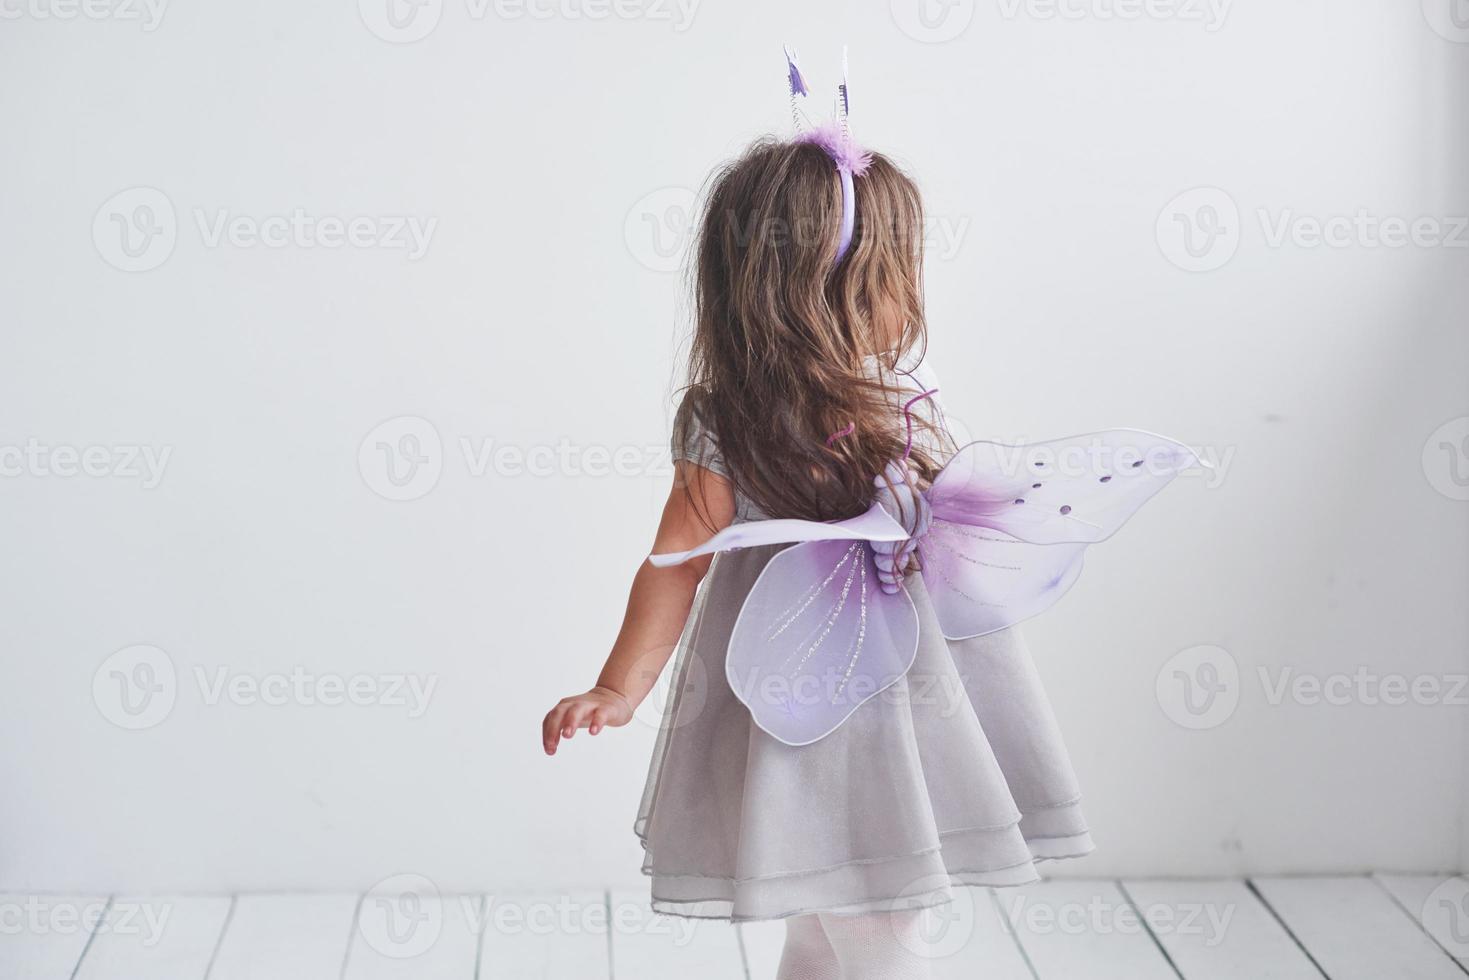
1011 523
1080 489
982 581
816 638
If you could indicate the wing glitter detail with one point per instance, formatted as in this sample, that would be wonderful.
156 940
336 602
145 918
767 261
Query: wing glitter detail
803 657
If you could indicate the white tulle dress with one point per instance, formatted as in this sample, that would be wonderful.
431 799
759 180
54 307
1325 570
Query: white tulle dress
956 775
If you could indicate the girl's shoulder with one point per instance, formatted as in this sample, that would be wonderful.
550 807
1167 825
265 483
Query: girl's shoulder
693 441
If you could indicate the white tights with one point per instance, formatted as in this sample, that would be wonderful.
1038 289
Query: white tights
881 946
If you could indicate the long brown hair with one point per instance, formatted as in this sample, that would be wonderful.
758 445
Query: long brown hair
778 361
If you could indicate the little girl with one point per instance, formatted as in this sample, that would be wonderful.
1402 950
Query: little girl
808 345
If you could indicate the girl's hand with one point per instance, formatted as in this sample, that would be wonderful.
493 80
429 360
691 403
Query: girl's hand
599 708
700 503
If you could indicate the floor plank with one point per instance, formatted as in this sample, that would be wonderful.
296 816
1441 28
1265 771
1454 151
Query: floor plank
1219 930
972 938
1355 931
416 936
661 947
549 937
1438 903
1082 930
161 938
763 942
285 937
1408 927
45 935
965 939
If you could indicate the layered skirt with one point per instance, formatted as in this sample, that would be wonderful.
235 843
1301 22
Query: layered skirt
955 775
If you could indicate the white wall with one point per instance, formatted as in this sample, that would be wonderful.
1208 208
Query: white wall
538 315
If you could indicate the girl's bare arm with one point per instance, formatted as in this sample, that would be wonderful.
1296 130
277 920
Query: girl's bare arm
657 608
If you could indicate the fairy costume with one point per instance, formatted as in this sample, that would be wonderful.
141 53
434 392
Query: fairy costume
847 735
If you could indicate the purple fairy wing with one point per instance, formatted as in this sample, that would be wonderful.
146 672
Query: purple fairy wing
1011 523
816 638
1079 489
982 581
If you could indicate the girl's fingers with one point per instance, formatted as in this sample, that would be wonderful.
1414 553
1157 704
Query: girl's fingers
551 730
563 720
575 718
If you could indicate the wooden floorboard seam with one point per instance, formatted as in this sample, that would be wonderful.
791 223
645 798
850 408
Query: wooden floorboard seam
1418 921
1011 931
1127 895
92 937
1250 884
351 931
482 917
611 928
744 953
229 916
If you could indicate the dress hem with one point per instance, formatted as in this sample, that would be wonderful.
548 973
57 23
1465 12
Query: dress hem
678 908
1054 848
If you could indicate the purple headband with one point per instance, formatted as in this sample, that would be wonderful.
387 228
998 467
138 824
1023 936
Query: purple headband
835 138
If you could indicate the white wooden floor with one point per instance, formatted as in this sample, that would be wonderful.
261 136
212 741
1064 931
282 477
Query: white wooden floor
1383 927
